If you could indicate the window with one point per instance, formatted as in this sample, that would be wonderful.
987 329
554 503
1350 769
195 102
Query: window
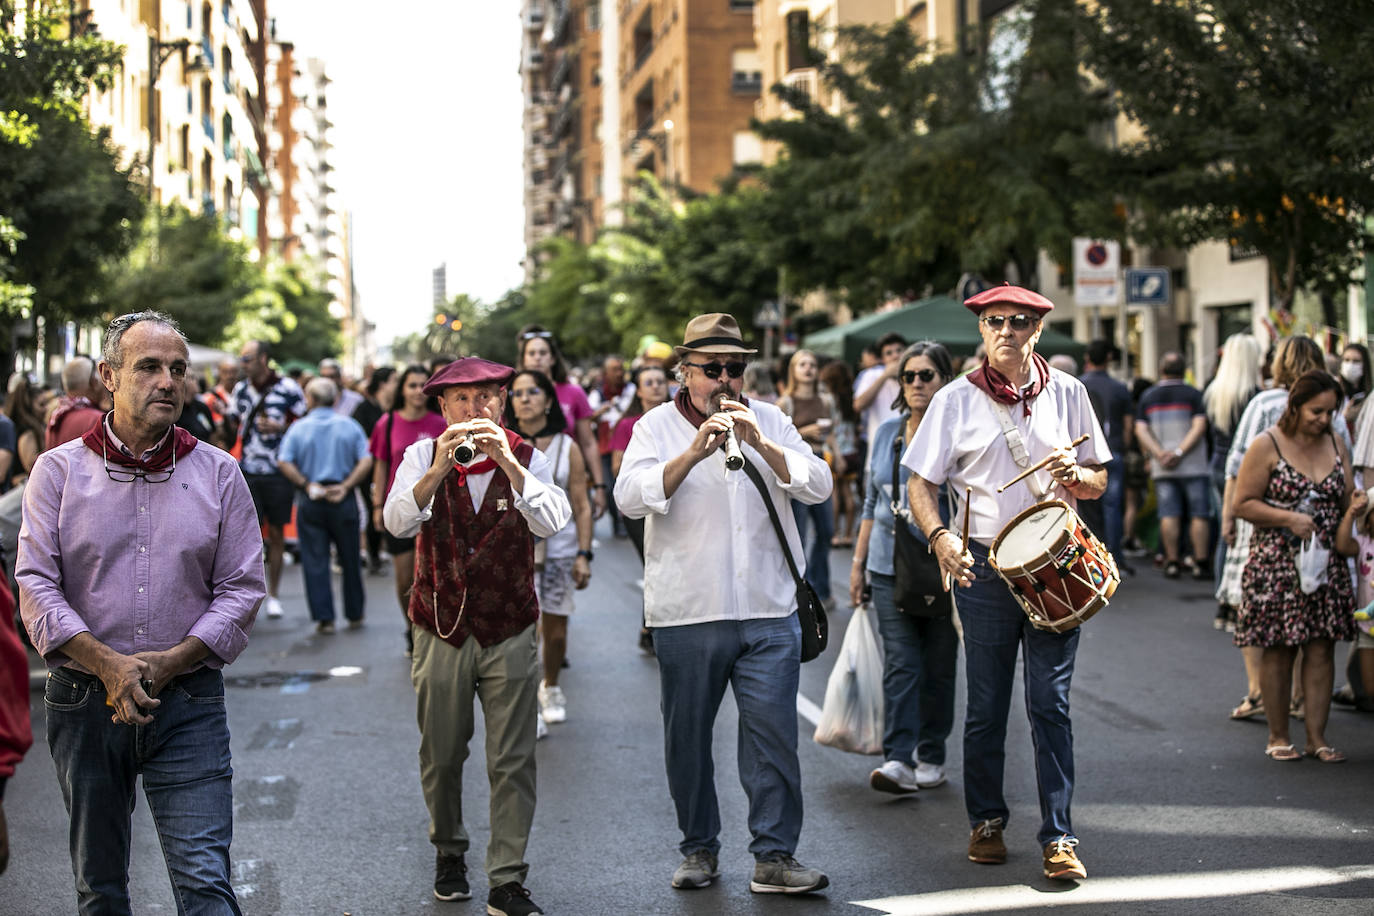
746 70
798 40
643 37
741 6
748 148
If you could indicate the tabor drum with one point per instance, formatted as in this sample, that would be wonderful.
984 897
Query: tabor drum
1057 569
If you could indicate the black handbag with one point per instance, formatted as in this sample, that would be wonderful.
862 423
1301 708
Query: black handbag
919 589
815 626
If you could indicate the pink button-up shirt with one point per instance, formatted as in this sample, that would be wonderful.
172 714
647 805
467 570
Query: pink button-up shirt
139 565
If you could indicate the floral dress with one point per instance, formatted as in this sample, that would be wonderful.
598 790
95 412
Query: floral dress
1275 611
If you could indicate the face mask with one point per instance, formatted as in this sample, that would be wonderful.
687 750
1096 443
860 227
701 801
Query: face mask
1352 372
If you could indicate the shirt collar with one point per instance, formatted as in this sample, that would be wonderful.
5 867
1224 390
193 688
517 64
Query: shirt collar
109 429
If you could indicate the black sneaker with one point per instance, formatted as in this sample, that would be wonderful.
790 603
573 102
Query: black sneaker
450 878
510 899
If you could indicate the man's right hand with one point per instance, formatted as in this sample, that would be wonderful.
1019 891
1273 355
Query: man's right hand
956 562
122 676
709 436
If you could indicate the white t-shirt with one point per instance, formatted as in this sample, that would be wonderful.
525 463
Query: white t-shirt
710 551
881 410
960 442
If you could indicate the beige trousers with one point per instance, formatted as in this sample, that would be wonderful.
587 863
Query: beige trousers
505 678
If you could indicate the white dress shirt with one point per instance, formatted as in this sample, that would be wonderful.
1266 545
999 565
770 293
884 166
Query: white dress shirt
710 552
544 506
960 442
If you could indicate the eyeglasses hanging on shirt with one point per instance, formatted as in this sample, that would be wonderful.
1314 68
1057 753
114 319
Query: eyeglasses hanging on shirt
129 475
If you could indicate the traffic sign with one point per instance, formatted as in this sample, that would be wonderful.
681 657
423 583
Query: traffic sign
1095 267
1147 286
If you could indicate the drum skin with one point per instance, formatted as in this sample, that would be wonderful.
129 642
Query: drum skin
1060 573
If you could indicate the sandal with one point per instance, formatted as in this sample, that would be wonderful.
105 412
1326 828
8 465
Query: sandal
1249 708
1328 755
1284 753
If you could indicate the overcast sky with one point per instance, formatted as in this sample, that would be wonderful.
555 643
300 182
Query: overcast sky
426 107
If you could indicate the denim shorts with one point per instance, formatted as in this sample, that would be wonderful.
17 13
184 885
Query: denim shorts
1172 493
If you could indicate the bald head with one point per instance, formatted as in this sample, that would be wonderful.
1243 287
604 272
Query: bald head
79 379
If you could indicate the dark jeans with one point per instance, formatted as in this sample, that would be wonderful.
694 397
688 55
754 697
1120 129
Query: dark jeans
818 550
995 628
920 664
183 757
612 510
320 523
761 660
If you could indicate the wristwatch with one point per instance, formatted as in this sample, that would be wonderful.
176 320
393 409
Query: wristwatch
587 554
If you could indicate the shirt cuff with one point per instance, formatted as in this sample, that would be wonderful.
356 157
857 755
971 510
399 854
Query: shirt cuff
654 496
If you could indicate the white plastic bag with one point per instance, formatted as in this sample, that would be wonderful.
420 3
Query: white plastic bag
852 715
1312 562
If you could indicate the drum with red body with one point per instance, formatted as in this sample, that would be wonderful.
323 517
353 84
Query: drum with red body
1058 570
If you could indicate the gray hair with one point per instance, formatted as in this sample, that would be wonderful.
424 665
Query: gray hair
322 391
112 351
76 375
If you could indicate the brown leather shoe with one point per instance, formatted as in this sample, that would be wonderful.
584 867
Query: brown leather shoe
1061 862
985 845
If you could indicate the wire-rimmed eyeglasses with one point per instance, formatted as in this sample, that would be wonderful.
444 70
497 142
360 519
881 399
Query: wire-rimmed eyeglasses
121 474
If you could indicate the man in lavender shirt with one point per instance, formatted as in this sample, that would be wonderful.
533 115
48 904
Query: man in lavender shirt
149 590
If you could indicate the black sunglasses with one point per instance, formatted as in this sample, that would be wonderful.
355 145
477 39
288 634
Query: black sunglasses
925 375
734 369
1019 321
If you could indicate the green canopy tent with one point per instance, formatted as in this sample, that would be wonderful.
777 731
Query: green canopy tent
938 318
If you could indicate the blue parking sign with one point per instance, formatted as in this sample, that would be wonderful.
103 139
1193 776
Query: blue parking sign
1147 286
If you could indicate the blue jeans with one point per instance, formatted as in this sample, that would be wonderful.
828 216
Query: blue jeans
760 659
920 664
995 627
320 523
183 756
818 552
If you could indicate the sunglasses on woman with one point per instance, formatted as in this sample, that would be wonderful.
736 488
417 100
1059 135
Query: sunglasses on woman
713 370
925 375
1019 321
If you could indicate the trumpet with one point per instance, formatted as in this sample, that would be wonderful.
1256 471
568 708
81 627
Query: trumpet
465 451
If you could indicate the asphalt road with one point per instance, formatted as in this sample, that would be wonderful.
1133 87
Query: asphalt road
1177 808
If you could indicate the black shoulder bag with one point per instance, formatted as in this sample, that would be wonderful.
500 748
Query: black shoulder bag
815 627
919 589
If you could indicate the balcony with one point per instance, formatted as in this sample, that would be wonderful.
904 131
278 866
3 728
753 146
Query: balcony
207 50
228 148
207 124
805 81
561 17
561 71
534 17
564 120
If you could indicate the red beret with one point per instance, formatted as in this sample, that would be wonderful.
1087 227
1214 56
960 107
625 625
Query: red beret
470 370
1006 294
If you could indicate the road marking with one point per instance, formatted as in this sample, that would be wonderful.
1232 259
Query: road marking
1103 891
808 710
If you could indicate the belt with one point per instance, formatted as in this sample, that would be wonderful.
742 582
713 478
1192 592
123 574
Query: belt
90 679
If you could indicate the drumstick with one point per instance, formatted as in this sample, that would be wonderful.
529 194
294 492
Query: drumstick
1035 467
968 499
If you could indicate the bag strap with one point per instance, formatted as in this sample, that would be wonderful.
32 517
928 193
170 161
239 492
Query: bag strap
896 478
753 474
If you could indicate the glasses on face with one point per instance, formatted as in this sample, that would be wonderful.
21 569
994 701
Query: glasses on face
532 392
128 475
712 370
925 375
1019 322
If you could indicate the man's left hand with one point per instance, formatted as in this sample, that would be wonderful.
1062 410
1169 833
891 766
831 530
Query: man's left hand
335 492
746 423
161 669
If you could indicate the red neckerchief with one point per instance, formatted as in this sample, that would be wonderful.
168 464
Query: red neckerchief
68 405
684 405
177 445
1000 388
486 464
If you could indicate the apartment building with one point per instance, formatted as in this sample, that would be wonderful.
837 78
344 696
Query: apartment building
561 78
189 100
689 78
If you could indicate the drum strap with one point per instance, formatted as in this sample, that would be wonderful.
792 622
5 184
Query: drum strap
1017 445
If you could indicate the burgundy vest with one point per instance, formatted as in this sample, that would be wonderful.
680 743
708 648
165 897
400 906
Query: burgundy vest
476 569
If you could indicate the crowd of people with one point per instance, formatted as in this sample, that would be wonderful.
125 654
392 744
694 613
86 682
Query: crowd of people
482 483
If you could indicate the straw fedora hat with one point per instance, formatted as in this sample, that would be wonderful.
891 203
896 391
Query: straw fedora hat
713 333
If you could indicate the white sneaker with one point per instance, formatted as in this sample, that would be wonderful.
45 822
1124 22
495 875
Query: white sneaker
894 777
552 704
273 607
929 775
540 729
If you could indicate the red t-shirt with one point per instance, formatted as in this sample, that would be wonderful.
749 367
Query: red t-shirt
620 436
404 434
